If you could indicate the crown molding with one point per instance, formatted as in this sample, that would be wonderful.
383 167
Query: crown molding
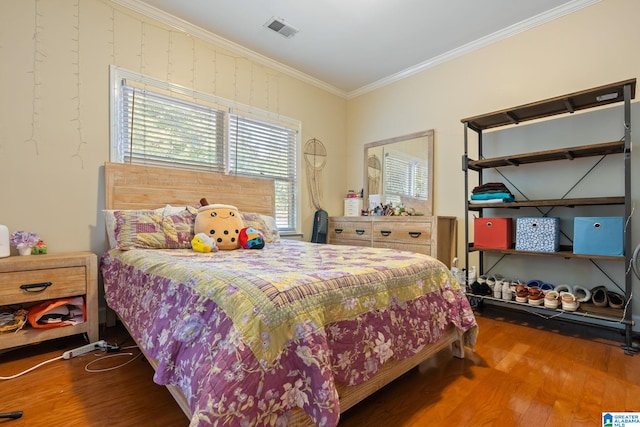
512 30
188 28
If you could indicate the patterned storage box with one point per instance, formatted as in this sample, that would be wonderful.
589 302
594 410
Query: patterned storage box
538 234
492 233
598 235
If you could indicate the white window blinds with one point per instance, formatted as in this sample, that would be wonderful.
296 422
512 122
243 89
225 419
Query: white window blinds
262 149
405 175
159 129
159 123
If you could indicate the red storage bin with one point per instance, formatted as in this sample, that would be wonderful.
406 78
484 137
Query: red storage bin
493 233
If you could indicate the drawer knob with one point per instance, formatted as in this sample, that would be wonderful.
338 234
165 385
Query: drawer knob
35 287
359 232
338 230
385 233
415 234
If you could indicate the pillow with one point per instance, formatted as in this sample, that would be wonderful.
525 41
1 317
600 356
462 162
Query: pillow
271 232
265 224
110 220
153 229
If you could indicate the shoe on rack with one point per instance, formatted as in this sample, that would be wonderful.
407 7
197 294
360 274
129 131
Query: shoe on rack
522 293
480 289
536 296
563 288
599 296
615 300
582 294
507 295
551 299
546 287
569 301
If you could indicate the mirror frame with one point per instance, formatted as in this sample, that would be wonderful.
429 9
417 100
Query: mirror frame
423 206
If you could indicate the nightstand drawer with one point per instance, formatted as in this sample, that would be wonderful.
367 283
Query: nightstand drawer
21 287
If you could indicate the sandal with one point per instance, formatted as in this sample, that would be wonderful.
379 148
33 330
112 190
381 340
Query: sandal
582 294
599 296
569 301
615 300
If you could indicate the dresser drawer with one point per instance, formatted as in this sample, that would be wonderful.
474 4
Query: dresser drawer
67 281
414 232
349 230
421 249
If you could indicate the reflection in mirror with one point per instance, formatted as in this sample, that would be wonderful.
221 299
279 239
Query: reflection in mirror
400 171
374 174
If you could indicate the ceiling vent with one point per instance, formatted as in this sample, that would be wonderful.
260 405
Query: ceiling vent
281 27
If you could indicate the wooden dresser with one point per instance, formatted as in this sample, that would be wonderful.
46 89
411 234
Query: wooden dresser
431 235
27 280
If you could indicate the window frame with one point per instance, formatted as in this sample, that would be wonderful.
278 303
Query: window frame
118 74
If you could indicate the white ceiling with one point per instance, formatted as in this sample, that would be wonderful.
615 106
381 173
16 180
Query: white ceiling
352 46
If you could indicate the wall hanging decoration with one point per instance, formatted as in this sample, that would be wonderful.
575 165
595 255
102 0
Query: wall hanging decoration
315 157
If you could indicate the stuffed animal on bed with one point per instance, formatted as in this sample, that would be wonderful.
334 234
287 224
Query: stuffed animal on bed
222 223
250 238
203 243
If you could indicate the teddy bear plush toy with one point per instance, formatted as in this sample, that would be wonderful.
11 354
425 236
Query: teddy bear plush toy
222 223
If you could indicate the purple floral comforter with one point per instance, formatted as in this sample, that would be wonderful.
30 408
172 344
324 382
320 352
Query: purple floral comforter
248 335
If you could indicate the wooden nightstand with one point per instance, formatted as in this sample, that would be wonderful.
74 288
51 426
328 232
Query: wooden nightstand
70 274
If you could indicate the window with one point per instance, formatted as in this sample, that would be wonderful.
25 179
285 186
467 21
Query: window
405 175
158 123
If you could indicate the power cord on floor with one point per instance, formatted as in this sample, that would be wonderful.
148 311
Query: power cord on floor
100 345
32 368
133 357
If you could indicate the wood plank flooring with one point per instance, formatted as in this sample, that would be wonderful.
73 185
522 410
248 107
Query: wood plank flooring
526 371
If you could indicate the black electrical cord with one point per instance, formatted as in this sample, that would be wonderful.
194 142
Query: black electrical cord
13 415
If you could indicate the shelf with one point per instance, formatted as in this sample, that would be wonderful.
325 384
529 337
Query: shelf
570 153
564 252
29 335
569 103
586 313
620 92
587 201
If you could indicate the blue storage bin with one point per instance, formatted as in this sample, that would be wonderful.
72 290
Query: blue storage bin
596 235
538 234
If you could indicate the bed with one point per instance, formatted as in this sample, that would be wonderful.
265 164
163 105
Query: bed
291 334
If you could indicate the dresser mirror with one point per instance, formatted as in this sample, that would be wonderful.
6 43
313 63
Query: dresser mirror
400 171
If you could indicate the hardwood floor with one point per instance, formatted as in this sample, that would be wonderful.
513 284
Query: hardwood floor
525 371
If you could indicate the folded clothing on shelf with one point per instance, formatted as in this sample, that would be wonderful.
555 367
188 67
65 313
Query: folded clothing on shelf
491 192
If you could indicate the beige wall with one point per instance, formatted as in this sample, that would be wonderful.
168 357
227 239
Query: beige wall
594 46
54 108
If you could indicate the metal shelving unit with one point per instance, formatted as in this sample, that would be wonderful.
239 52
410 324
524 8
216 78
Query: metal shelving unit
618 92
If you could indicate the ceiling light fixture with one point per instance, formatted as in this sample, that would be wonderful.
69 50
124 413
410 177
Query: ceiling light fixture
281 27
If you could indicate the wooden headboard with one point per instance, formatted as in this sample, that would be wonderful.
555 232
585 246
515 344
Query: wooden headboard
148 187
